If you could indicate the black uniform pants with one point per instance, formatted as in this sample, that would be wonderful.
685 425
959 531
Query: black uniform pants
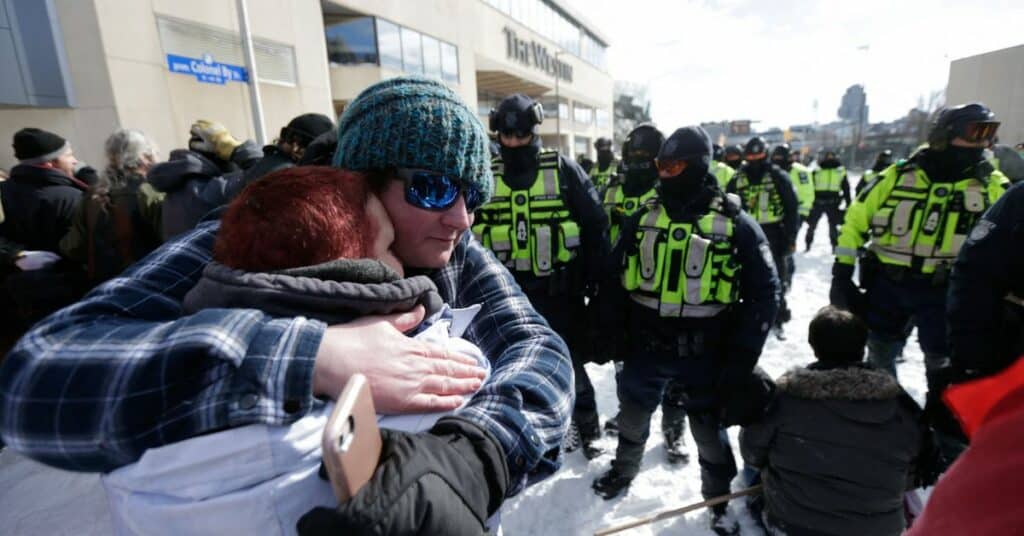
778 242
566 314
641 386
831 210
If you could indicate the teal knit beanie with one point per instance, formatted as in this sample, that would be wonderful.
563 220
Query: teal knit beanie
414 122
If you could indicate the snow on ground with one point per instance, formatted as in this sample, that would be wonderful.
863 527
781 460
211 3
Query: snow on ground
565 504
35 499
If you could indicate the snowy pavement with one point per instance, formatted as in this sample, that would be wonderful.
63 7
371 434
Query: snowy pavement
35 499
564 504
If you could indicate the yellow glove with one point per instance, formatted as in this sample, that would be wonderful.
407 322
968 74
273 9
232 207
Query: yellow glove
212 137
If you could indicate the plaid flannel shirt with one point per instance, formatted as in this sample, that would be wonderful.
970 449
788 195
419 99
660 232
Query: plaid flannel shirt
93 386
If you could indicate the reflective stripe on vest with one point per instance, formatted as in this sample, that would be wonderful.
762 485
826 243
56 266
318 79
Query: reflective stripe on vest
829 180
618 207
602 178
761 200
923 225
529 230
683 269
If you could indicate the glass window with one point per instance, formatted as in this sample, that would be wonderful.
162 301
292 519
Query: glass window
450 63
412 52
389 44
602 118
582 114
431 57
581 145
352 41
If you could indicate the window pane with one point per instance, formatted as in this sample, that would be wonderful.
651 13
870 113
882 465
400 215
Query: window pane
389 43
412 52
602 119
351 41
450 63
581 145
431 57
582 114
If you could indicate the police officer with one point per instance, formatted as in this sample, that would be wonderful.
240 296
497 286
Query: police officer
697 293
720 169
640 176
986 291
830 183
882 161
768 195
800 176
733 156
605 171
546 224
913 220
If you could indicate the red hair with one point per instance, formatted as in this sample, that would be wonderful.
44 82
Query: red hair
298 216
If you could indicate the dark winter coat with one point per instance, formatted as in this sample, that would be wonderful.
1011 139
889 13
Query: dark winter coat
836 452
333 292
986 290
38 204
274 159
195 184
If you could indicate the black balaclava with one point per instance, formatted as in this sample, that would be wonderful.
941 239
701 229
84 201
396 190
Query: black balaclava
637 181
755 169
951 164
829 163
604 159
690 188
784 163
521 163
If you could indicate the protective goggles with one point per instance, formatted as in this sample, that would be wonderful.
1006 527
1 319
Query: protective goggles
670 168
980 131
754 156
436 191
519 134
635 165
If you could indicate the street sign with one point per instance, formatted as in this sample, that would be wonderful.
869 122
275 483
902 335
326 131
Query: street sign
206 70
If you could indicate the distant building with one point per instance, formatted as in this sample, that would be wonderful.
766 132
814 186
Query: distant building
996 79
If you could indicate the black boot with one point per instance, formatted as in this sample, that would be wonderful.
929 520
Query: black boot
588 436
675 446
722 522
611 484
611 426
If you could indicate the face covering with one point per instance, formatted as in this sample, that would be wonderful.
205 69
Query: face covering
756 167
638 181
950 164
685 185
520 159
604 159
735 164
829 164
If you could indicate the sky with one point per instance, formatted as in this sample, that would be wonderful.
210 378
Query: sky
771 61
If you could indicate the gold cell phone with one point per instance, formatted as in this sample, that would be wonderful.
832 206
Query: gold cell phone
351 441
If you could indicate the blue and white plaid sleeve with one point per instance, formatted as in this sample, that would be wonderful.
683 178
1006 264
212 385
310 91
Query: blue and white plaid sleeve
528 399
91 387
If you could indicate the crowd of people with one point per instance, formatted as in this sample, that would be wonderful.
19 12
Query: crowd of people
170 315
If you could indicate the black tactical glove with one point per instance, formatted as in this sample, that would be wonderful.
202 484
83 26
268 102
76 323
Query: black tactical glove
844 294
744 397
447 481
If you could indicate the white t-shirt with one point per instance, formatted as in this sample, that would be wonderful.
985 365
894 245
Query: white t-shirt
257 479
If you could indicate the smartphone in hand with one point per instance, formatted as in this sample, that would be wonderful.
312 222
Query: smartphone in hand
351 441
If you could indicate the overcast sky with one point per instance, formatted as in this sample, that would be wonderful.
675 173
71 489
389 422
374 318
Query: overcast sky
769 61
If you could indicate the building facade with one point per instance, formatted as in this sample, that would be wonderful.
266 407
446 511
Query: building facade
83 68
996 79
485 50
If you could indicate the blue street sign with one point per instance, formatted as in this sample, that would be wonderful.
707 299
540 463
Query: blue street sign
206 70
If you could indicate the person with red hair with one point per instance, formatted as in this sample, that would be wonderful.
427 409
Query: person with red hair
304 241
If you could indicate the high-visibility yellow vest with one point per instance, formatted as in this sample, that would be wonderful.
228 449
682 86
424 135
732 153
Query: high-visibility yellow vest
722 172
683 268
529 230
762 200
618 207
801 178
602 179
829 180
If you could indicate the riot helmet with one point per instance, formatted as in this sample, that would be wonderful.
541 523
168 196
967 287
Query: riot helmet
641 147
973 123
755 149
780 154
717 152
686 153
517 115
734 156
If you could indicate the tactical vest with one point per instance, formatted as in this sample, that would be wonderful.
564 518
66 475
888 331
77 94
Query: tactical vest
602 179
619 207
684 269
723 173
801 179
829 180
763 201
529 230
922 225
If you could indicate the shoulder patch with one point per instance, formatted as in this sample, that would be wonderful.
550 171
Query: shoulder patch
981 230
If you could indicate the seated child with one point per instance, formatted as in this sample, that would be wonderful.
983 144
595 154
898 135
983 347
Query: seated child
837 449
306 241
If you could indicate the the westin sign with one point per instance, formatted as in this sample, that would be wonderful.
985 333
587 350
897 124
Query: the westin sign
533 53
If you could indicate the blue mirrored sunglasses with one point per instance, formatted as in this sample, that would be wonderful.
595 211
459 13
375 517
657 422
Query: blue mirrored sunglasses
436 191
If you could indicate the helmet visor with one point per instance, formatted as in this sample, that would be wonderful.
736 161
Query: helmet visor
980 131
